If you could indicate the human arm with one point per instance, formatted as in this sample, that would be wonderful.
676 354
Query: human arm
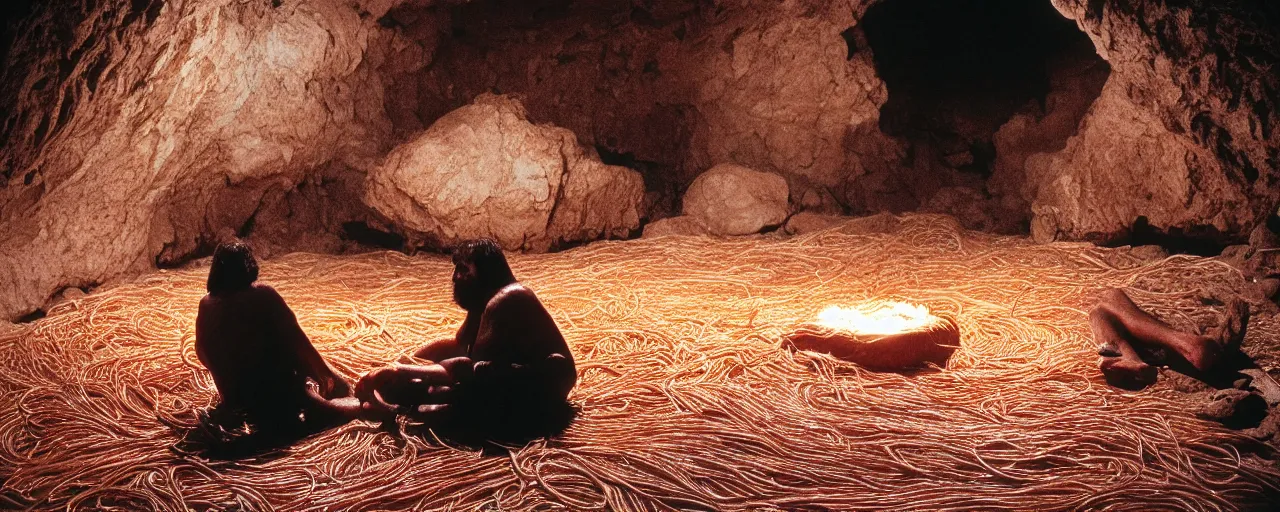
284 325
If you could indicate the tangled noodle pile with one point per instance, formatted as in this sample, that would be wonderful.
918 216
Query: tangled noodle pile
685 398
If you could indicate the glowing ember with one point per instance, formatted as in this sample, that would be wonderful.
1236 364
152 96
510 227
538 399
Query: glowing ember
883 318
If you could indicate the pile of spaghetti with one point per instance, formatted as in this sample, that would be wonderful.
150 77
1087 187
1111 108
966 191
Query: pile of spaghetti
685 399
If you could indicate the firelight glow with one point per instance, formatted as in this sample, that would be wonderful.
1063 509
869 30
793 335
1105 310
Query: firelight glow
881 318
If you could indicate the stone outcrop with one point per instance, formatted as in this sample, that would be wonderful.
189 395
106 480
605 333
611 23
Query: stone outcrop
1184 133
485 171
1124 164
683 225
675 87
168 124
730 199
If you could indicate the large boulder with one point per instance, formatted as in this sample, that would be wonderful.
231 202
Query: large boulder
484 170
1183 133
1124 164
731 199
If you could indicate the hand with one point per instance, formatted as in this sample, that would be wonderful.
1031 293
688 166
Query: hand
340 387
369 383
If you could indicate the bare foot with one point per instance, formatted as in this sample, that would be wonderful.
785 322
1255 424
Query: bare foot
1202 352
1127 373
1120 364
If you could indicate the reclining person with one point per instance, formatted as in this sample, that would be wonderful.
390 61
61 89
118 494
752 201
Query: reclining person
1122 330
507 363
260 358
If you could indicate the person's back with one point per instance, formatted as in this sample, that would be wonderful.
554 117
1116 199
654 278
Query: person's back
258 355
240 345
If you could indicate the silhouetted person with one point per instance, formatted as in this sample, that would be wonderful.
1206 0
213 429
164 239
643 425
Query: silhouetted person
508 362
260 358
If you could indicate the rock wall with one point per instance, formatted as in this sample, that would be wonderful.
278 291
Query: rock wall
140 135
1185 131
680 86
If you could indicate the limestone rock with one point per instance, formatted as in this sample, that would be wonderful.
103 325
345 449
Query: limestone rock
685 225
485 171
769 85
1184 132
1234 408
1123 165
971 207
733 200
167 124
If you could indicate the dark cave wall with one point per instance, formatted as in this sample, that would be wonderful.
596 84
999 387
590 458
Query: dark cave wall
139 133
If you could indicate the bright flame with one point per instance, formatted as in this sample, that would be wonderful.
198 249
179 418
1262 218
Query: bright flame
884 318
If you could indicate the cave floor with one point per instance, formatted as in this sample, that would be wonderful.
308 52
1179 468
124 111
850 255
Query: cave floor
685 399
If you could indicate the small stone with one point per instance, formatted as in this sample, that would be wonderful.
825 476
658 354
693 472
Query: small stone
731 199
808 222
1262 382
683 225
1234 408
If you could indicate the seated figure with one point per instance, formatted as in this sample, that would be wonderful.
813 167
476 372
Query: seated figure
262 363
508 363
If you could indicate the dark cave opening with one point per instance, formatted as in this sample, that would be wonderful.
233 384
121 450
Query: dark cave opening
956 71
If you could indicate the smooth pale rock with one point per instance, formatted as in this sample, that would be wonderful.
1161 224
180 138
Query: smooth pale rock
147 129
733 200
485 171
683 225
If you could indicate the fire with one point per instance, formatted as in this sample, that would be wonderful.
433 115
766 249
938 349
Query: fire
882 318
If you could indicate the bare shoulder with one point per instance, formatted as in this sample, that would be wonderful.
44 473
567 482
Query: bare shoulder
514 295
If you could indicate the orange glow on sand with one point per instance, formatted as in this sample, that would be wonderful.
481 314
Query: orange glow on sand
878 318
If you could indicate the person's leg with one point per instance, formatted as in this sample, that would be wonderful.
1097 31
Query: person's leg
1202 352
1120 364
440 350
326 411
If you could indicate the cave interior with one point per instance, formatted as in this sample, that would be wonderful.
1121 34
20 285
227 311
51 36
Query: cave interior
682 181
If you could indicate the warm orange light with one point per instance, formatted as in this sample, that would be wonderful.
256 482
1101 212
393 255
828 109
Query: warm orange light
878 318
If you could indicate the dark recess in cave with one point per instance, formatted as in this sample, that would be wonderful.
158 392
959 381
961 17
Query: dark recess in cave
11 13
1203 241
363 233
957 70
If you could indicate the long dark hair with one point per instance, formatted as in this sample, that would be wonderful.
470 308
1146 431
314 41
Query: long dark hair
491 266
233 268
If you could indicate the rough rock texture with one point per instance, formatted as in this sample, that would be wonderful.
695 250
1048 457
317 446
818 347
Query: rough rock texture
168 124
730 199
1184 133
973 209
686 225
1075 84
674 87
1123 165
485 171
